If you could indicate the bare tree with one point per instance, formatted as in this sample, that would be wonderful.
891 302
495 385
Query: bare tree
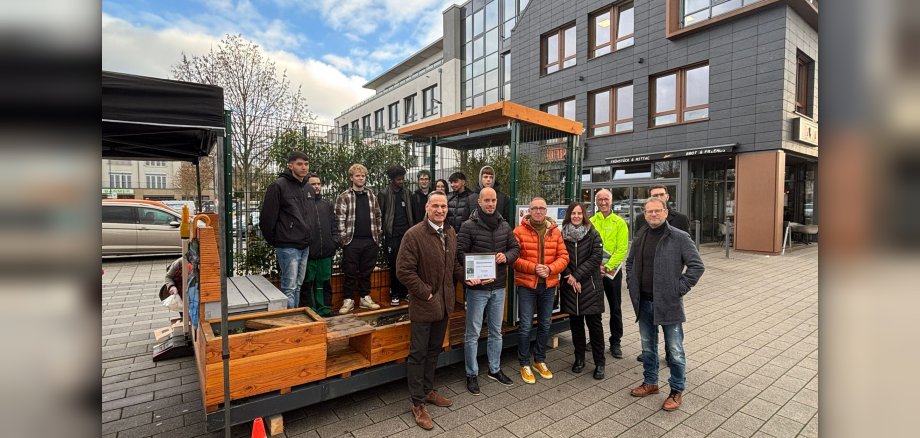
262 100
187 178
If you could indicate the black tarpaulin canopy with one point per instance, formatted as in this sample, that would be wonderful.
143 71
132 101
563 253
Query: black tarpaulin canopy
151 118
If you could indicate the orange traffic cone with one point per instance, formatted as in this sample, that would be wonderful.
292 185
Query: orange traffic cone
258 428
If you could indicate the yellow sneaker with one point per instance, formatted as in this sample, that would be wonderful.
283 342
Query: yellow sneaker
542 370
527 375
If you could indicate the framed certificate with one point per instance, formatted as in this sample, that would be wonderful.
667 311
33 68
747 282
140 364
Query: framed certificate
479 266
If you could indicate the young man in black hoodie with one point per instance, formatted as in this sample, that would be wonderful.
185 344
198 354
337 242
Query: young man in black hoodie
285 221
316 291
487 178
397 216
420 196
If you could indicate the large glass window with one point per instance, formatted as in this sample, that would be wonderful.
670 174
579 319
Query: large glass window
611 105
354 127
506 76
156 180
697 11
680 96
366 125
429 101
394 115
409 103
562 108
378 120
611 29
120 180
558 48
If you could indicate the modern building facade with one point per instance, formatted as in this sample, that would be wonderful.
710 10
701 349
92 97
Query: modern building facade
153 180
715 99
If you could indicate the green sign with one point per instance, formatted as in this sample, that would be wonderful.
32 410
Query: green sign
118 191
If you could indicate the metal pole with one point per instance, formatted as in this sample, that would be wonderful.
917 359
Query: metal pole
696 232
728 233
431 153
198 184
228 192
569 169
223 186
511 293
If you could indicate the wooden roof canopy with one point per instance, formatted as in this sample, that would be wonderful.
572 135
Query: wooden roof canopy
452 130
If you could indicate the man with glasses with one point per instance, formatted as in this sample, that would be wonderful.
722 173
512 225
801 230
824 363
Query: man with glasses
657 283
615 236
536 274
675 219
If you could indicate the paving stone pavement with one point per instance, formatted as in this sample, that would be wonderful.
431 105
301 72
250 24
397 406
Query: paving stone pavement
752 370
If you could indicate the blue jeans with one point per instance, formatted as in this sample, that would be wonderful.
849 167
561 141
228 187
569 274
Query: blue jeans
674 344
530 301
477 302
293 263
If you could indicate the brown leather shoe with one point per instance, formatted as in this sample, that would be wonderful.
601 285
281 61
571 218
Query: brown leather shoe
437 399
673 401
644 390
422 417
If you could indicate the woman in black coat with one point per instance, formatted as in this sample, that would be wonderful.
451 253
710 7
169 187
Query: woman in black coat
582 292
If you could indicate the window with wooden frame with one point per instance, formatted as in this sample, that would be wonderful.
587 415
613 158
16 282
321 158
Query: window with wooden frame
558 49
611 29
611 107
804 84
562 108
394 115
680 96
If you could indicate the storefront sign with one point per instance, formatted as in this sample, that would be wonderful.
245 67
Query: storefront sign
117 191
711 150
805 131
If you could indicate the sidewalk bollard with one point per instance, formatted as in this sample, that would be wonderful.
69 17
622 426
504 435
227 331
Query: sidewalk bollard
728 234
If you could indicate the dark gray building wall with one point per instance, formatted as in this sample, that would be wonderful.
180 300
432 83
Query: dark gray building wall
748 61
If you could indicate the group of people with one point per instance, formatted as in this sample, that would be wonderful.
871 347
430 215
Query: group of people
428 233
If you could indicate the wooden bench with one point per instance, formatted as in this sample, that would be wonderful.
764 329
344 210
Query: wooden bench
252 293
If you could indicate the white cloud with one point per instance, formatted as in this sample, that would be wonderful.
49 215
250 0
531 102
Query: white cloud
143 50
353 64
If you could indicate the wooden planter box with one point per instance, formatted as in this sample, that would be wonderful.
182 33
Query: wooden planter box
387 342
276 351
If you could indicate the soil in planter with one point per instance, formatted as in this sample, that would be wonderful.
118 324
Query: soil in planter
233 331
264 323
389 320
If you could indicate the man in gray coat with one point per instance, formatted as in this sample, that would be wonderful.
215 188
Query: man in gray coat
657 284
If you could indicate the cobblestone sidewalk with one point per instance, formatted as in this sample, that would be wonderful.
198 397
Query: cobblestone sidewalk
752 358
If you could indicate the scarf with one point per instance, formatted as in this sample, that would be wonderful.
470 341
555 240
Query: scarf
574 233
491 220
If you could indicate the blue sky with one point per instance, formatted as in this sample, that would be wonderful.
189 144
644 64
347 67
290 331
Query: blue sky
330 47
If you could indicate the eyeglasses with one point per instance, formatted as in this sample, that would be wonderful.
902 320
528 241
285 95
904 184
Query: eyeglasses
538 208
655 211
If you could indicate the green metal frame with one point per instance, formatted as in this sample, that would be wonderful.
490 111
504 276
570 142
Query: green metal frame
228 191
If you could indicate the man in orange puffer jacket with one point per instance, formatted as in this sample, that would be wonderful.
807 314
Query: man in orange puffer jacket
536 275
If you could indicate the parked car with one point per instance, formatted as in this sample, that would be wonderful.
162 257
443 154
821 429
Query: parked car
132 227
177 206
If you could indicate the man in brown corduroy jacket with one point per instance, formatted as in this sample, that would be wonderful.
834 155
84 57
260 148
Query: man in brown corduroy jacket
427 265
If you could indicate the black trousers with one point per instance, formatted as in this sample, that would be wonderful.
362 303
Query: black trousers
426 340
613 289
397 289
358 260
595 330
306 293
